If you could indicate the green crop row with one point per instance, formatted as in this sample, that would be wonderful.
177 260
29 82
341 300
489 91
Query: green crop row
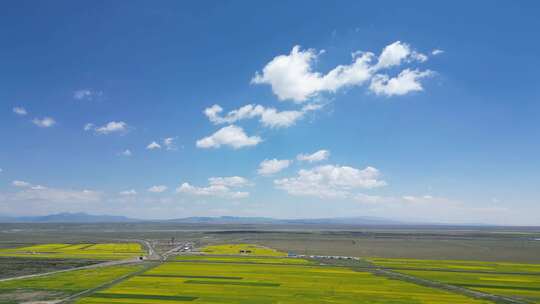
269 283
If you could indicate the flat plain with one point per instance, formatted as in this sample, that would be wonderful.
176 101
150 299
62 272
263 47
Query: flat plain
249 263
208 281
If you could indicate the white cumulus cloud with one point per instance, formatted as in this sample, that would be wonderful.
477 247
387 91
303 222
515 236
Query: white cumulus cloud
397 53
153 145
292 77
330 181
314 157
272 166
407 81
112 127
44 122
232 136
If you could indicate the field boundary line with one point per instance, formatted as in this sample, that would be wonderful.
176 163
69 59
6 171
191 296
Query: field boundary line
107 284
98 265
463 271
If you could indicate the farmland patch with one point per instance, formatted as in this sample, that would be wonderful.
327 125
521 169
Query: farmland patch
110 251
269 283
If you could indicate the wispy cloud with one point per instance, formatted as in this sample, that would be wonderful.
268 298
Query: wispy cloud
32 192
272 166
268 117
168 142
218 187
128 192
21 184
20 111
314 157
87 94
45 122
88 126
158 189
126 152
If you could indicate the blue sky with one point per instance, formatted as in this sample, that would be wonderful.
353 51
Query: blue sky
416 111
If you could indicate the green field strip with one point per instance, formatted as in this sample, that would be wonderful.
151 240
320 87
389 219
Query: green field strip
206 282
189 276
244 263
461 271
456 266
520 288
70 281
496 286
109 284
87 246
142 296
63 247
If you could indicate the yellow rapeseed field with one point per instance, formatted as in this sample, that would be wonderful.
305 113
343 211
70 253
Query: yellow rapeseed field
516 280
110 251
242 249
232 281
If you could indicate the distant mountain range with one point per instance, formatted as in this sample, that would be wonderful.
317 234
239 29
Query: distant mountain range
89 218
265 220
67 218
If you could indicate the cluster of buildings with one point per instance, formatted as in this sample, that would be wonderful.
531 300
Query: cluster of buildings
331 257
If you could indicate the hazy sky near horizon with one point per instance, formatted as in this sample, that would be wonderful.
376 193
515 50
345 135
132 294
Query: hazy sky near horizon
292 109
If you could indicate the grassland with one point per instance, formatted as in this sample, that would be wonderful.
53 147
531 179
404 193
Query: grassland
472 244
13 267
64 283
208 281
520 281
423 242
110 251
242 249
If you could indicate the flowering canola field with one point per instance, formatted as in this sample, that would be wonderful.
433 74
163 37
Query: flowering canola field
210 280
110 251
